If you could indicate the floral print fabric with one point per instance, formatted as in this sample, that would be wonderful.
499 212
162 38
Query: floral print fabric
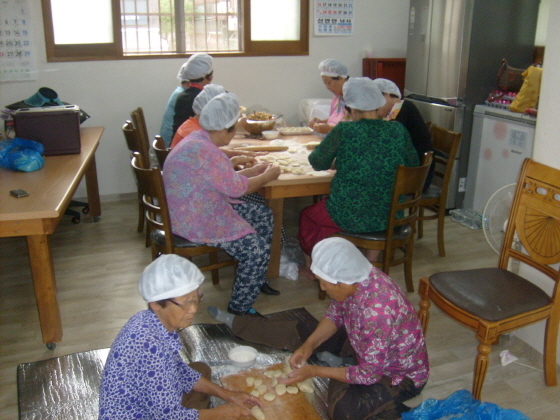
145 376
384 331
366 153
199 180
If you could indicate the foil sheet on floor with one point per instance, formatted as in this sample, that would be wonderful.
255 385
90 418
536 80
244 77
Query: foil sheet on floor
67 387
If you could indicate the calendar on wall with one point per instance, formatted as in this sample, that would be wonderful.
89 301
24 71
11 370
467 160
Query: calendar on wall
334 17
17 55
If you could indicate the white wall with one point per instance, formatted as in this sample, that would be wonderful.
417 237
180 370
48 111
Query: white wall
546 149
109 90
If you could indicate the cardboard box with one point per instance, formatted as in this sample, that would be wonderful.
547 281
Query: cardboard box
56 127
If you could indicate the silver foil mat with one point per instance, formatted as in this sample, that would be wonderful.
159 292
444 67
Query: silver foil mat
67 387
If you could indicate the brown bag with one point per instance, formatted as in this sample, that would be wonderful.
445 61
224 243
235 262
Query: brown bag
509 78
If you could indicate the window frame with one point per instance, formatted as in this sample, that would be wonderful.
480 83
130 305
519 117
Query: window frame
114 50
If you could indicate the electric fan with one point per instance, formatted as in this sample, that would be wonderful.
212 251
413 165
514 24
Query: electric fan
495 216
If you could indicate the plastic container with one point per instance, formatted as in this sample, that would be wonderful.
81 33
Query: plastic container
242 356
466 217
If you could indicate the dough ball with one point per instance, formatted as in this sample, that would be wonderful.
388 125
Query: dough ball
262 389
257 413
257 382
269 396
274 382
250 380
269 374
292 389
255 393
305 387
276 373
280 389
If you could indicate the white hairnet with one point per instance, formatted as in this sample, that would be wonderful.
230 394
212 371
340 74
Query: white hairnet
220 112
362 93
197 66
182 75
333 68
387 86
337 260
203 97
169 276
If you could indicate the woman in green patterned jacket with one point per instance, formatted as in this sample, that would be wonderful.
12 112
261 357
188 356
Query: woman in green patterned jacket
365 153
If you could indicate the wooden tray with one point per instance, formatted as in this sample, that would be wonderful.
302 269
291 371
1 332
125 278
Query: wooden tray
263 148
285 407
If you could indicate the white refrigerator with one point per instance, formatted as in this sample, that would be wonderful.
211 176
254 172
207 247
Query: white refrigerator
501 140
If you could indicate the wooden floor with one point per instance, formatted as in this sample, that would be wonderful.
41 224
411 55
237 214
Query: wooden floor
97 268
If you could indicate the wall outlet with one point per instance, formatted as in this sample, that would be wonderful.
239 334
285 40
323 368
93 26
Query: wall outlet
462 184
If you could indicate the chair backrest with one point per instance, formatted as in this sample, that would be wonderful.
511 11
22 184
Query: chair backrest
150 185
407 191
139 121
535 219
135 143
161 151
446 145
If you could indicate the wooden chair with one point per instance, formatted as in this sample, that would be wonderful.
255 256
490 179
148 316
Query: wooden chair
400 232
495 301
135 144
150 183
139 121
161 151
445 144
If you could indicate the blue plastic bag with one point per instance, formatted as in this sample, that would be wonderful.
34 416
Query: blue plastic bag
21 155
461 405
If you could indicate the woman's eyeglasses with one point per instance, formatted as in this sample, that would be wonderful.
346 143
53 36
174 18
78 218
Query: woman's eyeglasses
189 303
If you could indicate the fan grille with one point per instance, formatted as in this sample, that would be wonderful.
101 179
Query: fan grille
495 216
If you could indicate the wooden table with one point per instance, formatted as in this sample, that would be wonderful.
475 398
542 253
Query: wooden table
286 186
37 216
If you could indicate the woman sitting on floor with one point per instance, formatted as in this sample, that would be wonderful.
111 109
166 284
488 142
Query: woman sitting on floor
369 319
203 188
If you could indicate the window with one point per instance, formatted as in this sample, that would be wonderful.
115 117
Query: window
79 30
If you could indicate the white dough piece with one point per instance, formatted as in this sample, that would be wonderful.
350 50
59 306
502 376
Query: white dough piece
257 413
280 389
305 387
257 382
274 382
250 380
319 173
269 374
269 396
287 370
292 389
255 393
298 171
262 389
276 373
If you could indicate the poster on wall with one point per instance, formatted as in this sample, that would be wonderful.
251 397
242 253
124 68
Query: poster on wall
334 17
17 56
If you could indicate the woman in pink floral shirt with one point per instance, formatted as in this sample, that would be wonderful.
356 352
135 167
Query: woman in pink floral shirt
368 311
202 188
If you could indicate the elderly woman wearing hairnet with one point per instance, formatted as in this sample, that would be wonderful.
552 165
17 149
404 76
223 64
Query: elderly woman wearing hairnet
166 130
334 75
405 112
366 153
145 376
368 311
203 192
199 72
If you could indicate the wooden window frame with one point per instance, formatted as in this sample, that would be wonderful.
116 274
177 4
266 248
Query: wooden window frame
114 50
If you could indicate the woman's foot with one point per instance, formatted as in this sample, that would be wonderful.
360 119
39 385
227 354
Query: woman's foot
221 316
306 272
267 290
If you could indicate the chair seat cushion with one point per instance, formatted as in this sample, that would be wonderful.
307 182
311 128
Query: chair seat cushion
158 236
433 191
492 294
401 232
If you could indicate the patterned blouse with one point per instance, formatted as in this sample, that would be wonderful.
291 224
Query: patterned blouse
367 154
145 376
199 181
384 331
